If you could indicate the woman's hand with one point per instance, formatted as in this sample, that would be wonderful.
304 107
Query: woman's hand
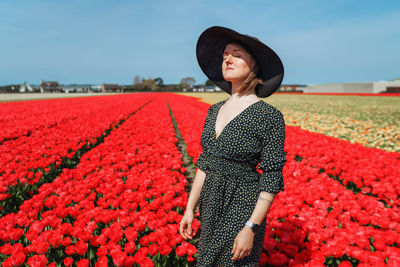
186 225
243 244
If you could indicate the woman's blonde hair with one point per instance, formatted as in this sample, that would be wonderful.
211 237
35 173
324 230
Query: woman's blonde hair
251 81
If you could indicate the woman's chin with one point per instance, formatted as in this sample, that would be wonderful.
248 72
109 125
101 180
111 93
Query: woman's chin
230 78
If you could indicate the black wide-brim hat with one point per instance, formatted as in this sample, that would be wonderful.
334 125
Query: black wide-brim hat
210 48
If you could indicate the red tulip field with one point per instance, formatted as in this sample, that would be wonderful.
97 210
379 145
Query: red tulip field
104 181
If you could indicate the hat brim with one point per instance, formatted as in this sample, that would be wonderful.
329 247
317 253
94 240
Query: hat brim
210 48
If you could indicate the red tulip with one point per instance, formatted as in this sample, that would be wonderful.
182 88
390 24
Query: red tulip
180 251
153 249
146 262
83 263
144 241
81 247
277 259
393 262
102 251
165 249
6 249
269 244
66 241
379 244
191 249
130 234
130 247
119 258
68 261
102 262
54 239
345 264
70 250
38 261
41 247
18 258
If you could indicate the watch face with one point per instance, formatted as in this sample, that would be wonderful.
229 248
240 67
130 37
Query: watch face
256 228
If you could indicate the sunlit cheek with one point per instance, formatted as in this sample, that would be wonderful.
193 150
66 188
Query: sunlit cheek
243 66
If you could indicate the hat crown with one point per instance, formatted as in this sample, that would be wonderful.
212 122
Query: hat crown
252 37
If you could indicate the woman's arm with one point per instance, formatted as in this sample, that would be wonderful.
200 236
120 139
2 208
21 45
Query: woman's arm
244 240
195 191
187 219
262 207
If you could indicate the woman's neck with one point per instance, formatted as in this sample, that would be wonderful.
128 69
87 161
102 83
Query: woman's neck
235 85
247 97
235 97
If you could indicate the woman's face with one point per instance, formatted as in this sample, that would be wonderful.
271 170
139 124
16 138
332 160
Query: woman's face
237 63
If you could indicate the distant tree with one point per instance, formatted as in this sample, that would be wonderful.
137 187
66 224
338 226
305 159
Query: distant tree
187 83
137 83
159 81
136 80
149 85
141 84
180 87
209 83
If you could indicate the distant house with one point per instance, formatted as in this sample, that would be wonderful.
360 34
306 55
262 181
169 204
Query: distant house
95 88
212 88
110 87
77 88
13 88
360 87
208 88
198 88
25 88
291 87
17 88
50 87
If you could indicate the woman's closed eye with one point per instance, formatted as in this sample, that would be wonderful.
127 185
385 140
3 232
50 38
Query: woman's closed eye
239 56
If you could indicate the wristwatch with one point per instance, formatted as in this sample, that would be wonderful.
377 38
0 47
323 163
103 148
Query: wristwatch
253 226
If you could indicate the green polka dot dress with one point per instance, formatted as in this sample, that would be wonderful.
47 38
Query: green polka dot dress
232 185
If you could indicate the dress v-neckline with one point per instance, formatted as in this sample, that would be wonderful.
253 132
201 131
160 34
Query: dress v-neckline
216 117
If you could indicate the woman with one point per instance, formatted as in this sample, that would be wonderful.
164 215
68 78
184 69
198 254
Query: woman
239 133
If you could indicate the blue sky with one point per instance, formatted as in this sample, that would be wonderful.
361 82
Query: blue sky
113 41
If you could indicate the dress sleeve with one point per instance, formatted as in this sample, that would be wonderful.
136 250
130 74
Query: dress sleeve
273 157
201 160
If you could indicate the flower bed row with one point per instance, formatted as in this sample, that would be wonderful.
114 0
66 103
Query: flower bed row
25 117
373 171
368 133
120 206
26 161
190 112
316 220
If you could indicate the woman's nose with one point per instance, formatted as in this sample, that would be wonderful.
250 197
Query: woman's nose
228 59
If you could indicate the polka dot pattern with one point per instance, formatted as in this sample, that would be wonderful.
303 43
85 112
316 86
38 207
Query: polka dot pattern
232 184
